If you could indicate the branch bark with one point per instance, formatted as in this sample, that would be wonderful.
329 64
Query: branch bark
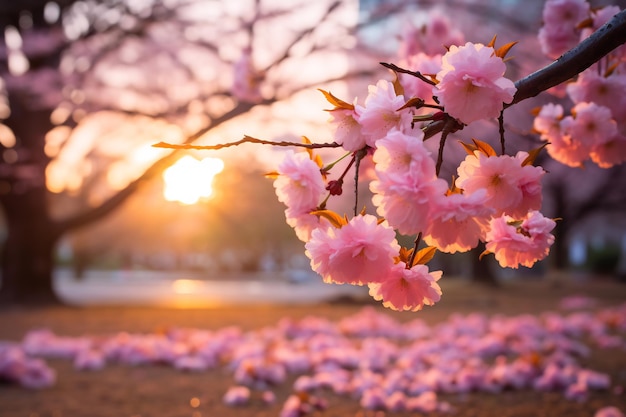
570 64
575 61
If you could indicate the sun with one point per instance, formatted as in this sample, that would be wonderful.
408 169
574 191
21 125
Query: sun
190 180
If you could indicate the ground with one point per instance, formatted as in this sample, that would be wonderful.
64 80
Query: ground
162 391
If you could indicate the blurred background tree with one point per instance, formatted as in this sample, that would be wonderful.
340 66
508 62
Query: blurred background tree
88 87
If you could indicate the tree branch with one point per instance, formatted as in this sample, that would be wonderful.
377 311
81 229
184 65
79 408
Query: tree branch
570 64
246 139
575 61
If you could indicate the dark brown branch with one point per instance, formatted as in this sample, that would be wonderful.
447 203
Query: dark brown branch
417 74
416 245
570 64
575 61
501 131
246 139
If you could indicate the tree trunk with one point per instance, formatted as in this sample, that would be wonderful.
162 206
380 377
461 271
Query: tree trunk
28 251
27 265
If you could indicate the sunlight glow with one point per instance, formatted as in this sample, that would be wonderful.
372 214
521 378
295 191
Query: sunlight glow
190 180
186 286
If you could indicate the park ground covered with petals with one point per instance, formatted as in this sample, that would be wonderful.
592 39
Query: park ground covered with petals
550 348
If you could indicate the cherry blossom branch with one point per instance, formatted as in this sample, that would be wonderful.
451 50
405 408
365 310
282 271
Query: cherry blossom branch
448 125
575 61
358 156
501 131
246 139
417 74
416 244
591 50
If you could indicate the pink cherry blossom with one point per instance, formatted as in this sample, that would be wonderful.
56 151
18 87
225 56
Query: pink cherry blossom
406 182
520 245
268 397
380 113
413 86
237 395
431 36
500 176
405 201
565 12
559 32
358 253
555 40
611 152
191 363
373 399
599 17
548 121
609 411
347 129
590 132
567 149
408 289
529 182
400 153
299 184
471 84
303 223
609 92
562 147
37 374
592 124
457 221
89 359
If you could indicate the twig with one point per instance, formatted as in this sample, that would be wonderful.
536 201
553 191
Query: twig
416 244
358 156
246 139
575 61
501 129
417 74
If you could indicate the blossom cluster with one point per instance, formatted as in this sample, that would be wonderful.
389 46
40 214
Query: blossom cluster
596 126
369 356
494 199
